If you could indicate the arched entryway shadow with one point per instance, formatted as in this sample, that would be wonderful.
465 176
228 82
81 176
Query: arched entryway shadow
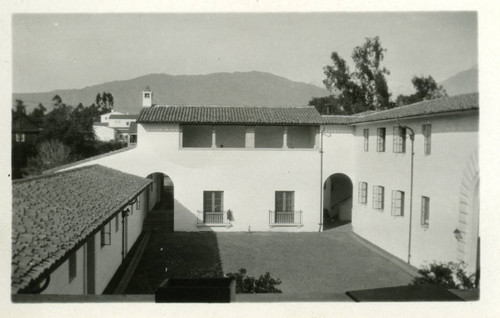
170 254
161 201
337 201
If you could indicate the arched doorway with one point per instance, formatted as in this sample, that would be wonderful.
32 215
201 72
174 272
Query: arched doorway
161 201
337 201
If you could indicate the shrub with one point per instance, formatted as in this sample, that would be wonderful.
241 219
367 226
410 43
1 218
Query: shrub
249 285
448 275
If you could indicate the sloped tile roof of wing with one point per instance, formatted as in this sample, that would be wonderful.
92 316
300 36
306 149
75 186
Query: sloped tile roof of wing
429 107
55 214
231 115
466 102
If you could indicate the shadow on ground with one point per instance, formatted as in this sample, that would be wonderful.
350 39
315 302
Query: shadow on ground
173 254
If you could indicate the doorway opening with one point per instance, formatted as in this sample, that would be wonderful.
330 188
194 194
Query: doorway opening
161 201
337 201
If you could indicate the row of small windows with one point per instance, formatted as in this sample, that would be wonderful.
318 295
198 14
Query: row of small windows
106 229
398 201
399 139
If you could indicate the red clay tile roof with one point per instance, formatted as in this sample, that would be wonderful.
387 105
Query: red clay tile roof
429 107
231 115
54 214
254 115
466 102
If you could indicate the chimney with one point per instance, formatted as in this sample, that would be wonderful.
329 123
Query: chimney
147 97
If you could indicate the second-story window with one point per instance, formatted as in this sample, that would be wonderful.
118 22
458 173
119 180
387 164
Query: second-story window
366 136
378 197
362 192
426 131
380 139
399 139
424 218
398 203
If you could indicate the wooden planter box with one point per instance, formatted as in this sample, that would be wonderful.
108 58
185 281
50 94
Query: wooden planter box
200 290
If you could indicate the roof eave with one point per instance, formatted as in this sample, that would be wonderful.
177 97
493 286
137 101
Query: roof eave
63 258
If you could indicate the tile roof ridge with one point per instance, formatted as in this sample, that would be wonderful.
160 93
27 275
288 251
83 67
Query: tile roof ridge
54 173
103 155
231 106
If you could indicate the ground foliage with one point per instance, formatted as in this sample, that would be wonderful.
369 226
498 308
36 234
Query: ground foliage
250 285
448 275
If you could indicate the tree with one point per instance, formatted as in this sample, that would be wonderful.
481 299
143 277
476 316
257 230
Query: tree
57 101
38 113
19 108
327 105
98 99
426 88
50 154
365 88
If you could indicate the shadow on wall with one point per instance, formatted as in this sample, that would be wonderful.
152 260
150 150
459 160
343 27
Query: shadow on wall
176 255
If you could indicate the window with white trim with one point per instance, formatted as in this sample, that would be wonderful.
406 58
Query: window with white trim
424 219
426 131
362 192
399 139
213 207
381 139
72 266
378 197
398 203
366 136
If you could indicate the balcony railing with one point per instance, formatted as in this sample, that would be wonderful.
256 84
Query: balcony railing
212 219
289 218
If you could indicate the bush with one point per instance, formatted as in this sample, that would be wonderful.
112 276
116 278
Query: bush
249 285
448 275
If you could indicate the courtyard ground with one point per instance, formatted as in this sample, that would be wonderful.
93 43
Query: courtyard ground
315 264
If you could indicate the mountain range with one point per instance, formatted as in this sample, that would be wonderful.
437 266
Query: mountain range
238 88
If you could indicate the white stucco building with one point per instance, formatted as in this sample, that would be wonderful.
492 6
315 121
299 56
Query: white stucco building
116 126
407 178
72 230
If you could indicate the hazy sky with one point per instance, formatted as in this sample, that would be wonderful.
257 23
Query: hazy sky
55 51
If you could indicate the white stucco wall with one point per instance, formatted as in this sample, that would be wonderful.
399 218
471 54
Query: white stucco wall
59 279
104 133
248 177
437 176
107 258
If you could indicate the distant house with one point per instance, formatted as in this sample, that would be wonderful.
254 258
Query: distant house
406 178
71 230
24 130
116 126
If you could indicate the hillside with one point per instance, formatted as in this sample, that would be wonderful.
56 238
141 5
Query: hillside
238 88
462 83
